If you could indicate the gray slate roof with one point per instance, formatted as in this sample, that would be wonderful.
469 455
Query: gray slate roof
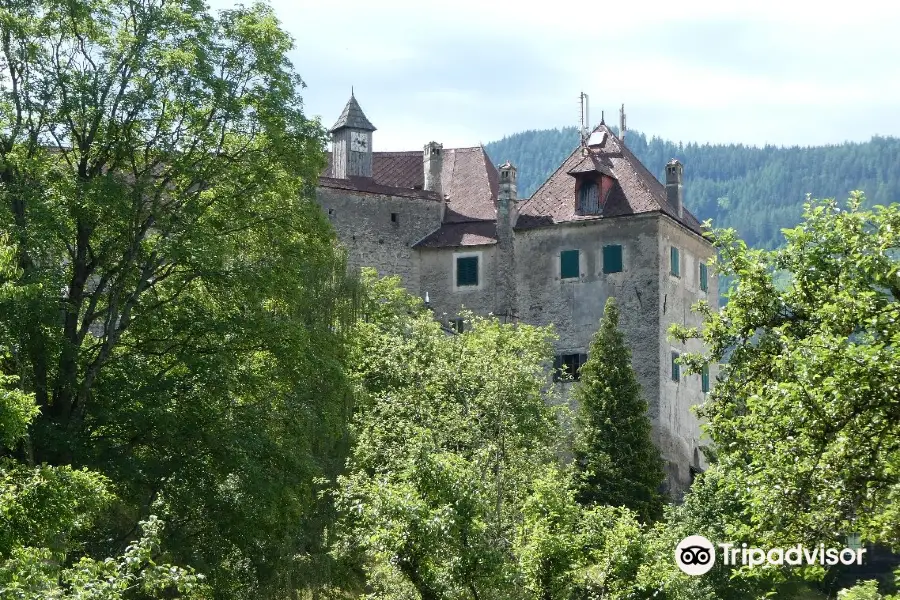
353 117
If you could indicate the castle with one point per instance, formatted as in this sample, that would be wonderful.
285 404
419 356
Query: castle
452 226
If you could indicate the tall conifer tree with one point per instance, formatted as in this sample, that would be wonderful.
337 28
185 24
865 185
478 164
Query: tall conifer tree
616 460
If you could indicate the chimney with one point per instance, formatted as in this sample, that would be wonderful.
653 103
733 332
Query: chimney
433 161
622 123
675 186
508 194
507 213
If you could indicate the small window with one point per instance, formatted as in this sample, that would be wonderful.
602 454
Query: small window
569 267
704 379
467 271
589 198
612 259
394 217
704 282
568 366
676 368
330 211
458 325
675 262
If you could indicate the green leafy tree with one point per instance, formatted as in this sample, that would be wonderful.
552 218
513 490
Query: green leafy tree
183 330
805 415
451 432
615 457
46 511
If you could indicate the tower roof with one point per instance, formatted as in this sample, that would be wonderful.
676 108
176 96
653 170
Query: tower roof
353 117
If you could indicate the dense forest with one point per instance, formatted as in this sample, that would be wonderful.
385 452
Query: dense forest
758 191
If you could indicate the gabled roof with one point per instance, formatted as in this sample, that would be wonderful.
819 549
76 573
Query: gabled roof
635 190
353 117
469 180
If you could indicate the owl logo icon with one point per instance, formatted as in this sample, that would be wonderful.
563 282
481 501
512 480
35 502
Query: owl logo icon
695 555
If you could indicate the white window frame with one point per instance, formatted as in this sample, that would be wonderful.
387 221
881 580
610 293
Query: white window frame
465 288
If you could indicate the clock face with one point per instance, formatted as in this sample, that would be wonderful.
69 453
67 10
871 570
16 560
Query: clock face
359 141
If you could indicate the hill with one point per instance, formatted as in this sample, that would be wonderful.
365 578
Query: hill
756 190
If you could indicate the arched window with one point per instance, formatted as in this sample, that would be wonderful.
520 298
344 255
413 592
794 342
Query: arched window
589 198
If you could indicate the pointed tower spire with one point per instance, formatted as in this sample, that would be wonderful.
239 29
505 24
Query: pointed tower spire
351 142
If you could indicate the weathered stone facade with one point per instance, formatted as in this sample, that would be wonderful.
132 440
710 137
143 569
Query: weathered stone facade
450 224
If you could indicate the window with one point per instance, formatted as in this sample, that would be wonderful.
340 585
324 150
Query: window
676 368
569 265
612 259
466 271
704 282
458 325
394 217
704 379
589 198
568 366
675 262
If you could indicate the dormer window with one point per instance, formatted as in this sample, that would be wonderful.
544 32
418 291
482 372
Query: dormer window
589 198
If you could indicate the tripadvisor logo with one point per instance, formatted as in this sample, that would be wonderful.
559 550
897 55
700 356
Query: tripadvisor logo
696 555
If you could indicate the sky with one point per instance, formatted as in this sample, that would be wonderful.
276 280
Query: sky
470 71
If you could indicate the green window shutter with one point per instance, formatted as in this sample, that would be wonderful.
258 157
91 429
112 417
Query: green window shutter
675 261
569 266
676 368
704 283
704 378
612 259
466 271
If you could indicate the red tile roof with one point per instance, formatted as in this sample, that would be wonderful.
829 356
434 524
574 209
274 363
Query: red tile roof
636 190
469 180
370 186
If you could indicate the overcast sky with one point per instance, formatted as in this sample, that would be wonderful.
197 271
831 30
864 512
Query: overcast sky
469 71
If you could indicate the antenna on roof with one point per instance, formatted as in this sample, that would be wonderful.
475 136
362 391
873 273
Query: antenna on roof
622 123
585 118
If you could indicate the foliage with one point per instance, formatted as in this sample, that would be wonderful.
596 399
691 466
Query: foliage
451 432
868 590
46 509
184 306
617 462
35 573
805 415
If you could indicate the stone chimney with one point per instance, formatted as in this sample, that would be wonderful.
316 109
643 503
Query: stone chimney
433 162
507 213
675 186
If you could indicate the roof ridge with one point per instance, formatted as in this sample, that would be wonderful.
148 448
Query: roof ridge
552 175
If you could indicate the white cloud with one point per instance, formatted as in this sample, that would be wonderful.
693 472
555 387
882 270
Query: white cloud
772 71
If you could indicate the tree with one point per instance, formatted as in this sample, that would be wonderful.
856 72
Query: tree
184 329
46 511
451 432
805 416
617 462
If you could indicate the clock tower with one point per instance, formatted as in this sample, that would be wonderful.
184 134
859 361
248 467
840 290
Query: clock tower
351 143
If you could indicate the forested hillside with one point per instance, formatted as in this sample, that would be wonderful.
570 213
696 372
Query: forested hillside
756 190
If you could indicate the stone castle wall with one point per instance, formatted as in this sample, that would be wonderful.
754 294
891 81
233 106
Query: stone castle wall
364 225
